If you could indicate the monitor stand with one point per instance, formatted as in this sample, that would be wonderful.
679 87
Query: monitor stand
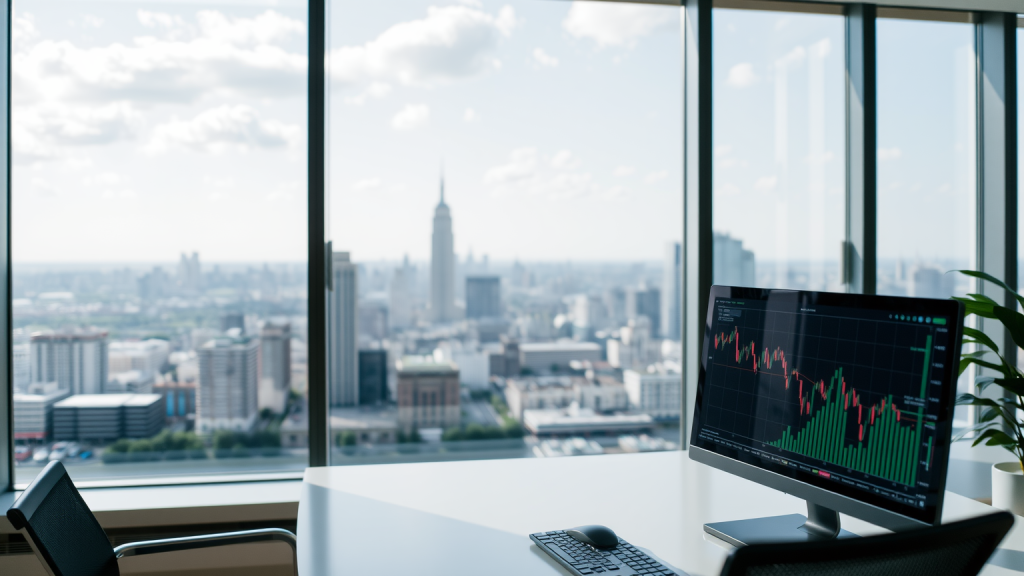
821 523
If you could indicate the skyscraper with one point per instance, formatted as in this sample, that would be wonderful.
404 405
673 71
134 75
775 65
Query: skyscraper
732 264
442 264
227 398
342 338
671 292
373 376
189 273
76 361
275 366
401 304
483 297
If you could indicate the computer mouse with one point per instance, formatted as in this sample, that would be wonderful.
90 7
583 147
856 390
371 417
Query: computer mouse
596 536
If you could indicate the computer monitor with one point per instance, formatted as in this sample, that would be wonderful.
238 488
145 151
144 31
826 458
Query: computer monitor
843 400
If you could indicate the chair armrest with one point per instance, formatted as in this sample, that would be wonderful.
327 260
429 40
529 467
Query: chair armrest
208 541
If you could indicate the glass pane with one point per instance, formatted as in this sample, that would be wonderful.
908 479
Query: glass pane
779 149
926 162
926 157
159 238
507 212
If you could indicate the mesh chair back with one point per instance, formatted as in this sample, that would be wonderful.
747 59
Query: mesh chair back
61 527
955 549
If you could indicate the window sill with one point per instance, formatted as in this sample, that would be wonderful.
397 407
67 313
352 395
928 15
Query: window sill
184 504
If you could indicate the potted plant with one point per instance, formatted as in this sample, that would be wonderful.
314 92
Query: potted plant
998 423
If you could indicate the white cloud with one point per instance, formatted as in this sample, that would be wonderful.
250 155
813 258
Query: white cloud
451 42
159 19
367 185
563 159
226 56
741 75
766 183
38 132
544 59
655 177
886 154
90 21
522 165
617 24
470 115
411 117
224 128
527 172
375 90
623 171
722 150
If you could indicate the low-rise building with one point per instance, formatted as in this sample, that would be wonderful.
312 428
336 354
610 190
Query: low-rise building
33 411
576 421
428 393
658 392
105 417
545 357
600 393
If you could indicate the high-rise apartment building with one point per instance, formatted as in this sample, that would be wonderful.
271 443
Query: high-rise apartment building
442 264
228 372
146 356
483 297
76 361
732 264
645 301
342 337
275 366
671 292
373 376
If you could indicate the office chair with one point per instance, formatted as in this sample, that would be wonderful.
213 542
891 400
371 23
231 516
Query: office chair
69 541
955 549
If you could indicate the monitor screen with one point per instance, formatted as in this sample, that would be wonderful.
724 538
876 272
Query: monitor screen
852 394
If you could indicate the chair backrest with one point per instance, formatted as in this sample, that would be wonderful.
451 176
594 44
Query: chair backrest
955 549
63 531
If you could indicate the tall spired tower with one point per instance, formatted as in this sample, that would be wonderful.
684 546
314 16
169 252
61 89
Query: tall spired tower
442 264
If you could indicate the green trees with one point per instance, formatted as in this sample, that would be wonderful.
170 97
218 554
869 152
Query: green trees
166 445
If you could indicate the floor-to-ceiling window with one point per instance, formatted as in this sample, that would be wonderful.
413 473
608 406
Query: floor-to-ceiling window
506 204
926 153
159 286
779 148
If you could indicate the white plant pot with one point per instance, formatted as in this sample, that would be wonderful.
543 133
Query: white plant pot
1008 487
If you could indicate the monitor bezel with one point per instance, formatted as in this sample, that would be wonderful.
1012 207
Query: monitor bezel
878 510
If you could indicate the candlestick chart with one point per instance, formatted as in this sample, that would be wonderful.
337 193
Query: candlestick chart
828 416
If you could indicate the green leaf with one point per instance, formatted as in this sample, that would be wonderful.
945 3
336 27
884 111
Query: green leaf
964 363
990 414
1011 385
994 437
1014 322
983 298
994 280
980 337
973 307
972 400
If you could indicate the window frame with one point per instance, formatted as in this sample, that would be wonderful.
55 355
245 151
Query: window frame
997 139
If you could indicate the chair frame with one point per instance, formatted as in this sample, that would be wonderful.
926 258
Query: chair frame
37 492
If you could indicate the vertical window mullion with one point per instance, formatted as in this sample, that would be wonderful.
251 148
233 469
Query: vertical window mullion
997 165
319 251
697 184
860 251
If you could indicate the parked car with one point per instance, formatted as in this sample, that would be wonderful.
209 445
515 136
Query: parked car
59 451
74 449
41 454
22 453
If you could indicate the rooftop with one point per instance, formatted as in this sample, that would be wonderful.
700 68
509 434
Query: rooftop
108 400
425 365
560 346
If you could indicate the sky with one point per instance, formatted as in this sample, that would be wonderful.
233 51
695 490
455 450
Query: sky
145 129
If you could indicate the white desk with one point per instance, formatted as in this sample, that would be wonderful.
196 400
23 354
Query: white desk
473 518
